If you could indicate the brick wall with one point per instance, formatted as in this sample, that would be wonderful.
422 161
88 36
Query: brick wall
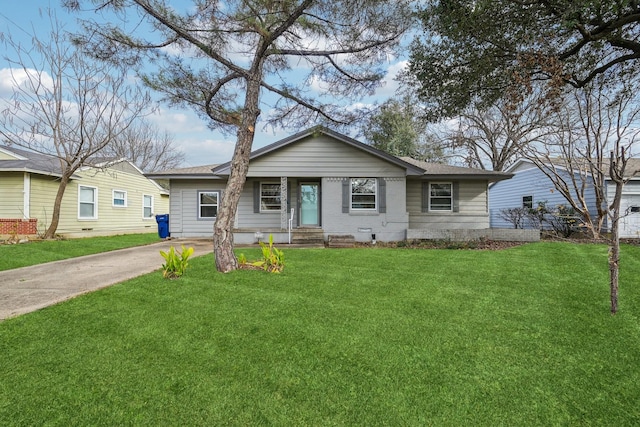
18 226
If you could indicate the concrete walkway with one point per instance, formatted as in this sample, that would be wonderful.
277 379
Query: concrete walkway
27 289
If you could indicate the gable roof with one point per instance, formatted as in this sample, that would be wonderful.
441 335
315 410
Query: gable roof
413 167
44 164
192 172
632 170
224 169
29 161
442 171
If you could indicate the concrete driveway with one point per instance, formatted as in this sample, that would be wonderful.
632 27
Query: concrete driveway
27 289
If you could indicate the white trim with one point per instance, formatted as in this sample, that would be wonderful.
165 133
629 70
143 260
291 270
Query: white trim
152 206
375 196
16 156
450 183
277 211
113 198
199 192
26 195
95 203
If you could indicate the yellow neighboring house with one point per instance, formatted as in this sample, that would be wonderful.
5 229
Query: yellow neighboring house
112 197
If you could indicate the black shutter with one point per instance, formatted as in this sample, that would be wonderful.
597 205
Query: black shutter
382 195
345 195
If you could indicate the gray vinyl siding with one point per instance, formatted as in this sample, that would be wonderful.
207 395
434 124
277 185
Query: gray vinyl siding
183 218
390 225
527 182
322 156
472 207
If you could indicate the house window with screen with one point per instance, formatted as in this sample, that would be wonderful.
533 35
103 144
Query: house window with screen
527 202
119 198
147 206
208 202
441 196
270 197
87 202
364 193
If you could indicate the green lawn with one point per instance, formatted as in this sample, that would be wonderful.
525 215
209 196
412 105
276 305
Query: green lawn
343 337
38 252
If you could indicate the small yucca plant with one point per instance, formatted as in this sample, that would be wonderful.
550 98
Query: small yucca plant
176 263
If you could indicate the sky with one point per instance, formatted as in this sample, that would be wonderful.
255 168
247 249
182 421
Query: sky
201 145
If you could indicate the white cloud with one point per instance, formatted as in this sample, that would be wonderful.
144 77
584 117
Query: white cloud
13 78
178 121
200 152
389 82
201 145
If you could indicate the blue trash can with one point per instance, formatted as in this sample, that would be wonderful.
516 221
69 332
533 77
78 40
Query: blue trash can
163 225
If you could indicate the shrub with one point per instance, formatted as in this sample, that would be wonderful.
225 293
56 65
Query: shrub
176 263
272 257
515 216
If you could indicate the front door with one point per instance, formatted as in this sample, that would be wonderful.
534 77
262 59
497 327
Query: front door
310 204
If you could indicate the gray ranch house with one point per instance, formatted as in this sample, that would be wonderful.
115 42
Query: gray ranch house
318 184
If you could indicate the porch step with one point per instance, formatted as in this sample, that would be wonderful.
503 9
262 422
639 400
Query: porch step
311 236
341 241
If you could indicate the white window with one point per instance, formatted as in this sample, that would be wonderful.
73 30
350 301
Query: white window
527 202
208 202
87 202
119 198
441 196
270 197
364 193
147 206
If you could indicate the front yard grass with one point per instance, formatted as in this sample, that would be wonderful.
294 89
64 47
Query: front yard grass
39 252
342 337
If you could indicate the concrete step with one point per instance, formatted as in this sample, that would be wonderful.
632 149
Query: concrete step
311 236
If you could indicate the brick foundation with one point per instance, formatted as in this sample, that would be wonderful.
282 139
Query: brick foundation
18 226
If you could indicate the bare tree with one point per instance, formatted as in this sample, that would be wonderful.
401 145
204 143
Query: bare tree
595 137
147 147
496 137
575 155
222 58
621 152
65 105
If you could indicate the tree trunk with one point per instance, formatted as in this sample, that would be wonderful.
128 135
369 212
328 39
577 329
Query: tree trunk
55 215
617 167
614 258
226 260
